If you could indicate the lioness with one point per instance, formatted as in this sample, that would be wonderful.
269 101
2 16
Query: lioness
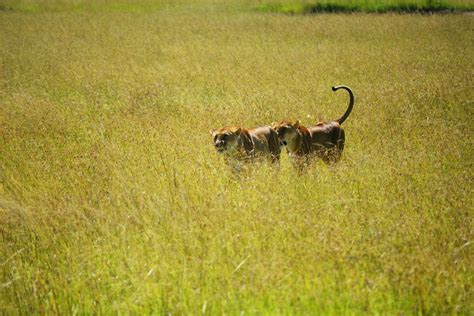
324 140
246 144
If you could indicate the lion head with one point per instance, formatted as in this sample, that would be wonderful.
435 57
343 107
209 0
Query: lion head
226 139
286 131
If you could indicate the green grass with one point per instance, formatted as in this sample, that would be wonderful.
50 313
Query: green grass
35 6
369 6
112 198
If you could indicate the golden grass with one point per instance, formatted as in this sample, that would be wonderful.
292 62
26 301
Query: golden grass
113 199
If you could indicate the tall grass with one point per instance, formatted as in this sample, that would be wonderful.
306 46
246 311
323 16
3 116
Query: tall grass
113 199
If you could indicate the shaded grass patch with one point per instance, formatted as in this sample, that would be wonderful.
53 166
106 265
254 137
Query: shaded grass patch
428 6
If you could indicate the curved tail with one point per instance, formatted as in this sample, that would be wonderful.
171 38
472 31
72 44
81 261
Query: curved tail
351 103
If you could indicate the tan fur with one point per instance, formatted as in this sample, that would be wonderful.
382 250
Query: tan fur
324 140
247 144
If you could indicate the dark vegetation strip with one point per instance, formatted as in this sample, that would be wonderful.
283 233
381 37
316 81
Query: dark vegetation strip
428 7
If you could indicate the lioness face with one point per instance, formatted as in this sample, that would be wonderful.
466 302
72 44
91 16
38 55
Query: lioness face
286 131
226 139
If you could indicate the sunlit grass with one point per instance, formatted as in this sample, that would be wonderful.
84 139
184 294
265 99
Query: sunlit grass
113 199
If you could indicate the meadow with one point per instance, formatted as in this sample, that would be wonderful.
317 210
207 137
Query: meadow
113 199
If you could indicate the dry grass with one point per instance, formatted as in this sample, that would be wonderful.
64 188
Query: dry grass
113 199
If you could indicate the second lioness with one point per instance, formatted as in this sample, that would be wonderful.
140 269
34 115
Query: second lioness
246 144
324 140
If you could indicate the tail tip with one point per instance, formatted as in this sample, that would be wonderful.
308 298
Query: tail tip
334 88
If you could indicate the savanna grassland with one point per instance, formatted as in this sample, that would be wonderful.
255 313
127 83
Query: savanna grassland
113 199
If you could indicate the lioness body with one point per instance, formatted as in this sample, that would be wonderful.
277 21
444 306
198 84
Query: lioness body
245 144
324 140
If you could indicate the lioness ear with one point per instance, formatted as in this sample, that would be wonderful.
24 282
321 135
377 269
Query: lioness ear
273 124
297 124
212 131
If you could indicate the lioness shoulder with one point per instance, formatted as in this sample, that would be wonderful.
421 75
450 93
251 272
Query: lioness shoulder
245 143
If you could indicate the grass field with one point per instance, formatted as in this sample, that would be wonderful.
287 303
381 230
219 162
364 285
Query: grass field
113 199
